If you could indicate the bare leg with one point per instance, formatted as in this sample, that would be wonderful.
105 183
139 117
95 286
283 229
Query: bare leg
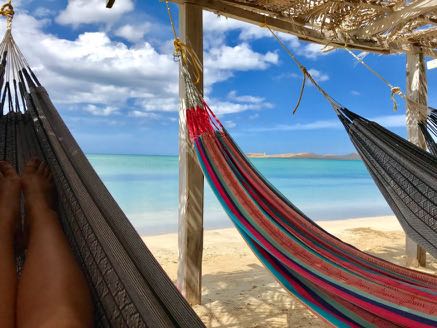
52 291
9 212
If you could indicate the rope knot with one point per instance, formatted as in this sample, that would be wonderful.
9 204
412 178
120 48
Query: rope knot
188 57
395 91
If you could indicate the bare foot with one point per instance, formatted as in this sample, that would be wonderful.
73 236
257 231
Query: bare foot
10 190
38 187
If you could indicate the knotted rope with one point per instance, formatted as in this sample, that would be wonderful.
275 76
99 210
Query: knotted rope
183 51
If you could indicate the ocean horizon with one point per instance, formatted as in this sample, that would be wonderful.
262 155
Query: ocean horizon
146 188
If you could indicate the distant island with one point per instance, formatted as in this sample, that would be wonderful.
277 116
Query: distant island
347 157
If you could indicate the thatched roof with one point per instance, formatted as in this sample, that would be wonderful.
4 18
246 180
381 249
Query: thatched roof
385 26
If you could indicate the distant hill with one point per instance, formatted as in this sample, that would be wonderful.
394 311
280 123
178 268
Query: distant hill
347 157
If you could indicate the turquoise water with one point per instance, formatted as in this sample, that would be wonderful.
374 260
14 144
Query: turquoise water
146 187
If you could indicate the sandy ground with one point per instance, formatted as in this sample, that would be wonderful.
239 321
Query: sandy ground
239 292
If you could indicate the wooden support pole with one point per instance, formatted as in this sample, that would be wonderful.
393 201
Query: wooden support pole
417 90
190 175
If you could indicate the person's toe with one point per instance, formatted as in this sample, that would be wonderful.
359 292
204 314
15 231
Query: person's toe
7 169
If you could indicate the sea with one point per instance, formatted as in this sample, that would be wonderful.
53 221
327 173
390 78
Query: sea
146 188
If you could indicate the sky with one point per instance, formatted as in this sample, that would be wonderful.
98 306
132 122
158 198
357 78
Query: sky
113 77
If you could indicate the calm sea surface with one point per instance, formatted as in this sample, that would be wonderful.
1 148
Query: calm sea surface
146 187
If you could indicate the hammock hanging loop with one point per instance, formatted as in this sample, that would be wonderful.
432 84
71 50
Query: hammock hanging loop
188 57
7 10
395 91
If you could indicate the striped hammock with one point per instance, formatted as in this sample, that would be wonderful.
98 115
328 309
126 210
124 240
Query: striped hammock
346 287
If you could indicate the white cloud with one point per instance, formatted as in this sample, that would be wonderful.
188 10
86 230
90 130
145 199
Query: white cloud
312 50
318 75
249 99
95 70
221 108
240 57
133 33
101 111
391 121
355 93
229 124
216 27
93 11
141 114
43 12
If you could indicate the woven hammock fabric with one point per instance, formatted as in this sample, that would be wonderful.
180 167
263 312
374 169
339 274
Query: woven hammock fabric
343 285
405 174
129 287
429 130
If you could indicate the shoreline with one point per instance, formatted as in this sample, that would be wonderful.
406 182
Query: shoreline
239 292
230 225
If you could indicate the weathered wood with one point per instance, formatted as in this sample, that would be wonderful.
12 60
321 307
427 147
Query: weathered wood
110 3
190 175
417 90
249 12
302 31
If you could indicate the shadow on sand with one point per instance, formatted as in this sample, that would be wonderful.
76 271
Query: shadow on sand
256 301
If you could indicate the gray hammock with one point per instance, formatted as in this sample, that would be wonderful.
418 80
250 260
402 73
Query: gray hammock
429 130
405 174
129 287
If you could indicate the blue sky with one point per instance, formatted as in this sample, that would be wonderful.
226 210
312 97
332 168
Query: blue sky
112 75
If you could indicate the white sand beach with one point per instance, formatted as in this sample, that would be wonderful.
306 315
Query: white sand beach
239 292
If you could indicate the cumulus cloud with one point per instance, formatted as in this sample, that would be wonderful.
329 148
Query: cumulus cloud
228 107
133 33
105 77
80 12
101 111
246 98
241 57
216 26
318 75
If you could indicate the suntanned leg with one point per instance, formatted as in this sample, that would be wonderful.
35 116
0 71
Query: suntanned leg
52 291
9 212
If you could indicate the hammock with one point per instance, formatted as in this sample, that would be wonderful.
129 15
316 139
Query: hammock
429 130
129 287
343 285
405 174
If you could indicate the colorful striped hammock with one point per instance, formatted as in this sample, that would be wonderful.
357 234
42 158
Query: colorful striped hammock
346 287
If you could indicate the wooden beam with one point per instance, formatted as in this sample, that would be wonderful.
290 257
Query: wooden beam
302 31
190 175
417 90
110 3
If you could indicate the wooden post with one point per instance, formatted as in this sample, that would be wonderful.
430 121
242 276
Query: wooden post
417 90
190 175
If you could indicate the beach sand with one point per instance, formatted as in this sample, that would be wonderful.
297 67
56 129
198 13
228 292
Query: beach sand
239 292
